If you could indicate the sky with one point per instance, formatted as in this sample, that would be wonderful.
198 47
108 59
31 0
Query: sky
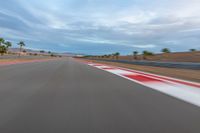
102 26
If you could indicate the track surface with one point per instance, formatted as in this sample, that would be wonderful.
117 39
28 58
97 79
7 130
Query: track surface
67 96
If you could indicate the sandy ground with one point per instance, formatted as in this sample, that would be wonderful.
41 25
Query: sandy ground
191 75
13 60
9 56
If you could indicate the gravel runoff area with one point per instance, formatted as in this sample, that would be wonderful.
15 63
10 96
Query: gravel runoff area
191 75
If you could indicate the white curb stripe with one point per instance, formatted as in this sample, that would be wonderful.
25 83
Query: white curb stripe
184 92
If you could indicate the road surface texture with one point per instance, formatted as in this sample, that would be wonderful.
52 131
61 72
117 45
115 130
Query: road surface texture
67 96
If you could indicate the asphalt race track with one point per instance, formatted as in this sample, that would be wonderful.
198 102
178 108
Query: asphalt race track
67 96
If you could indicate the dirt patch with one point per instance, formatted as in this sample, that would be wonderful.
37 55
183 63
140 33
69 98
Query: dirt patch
23 60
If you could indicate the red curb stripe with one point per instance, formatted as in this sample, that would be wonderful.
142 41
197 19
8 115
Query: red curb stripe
159 77
164 78
142 78
159 83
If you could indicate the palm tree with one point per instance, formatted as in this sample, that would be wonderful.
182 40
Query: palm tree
21 45
2 41
117 55
7 45
4 46
135 53
165 50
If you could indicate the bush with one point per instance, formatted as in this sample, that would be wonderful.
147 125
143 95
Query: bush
147 53
165 50
192 50
3 49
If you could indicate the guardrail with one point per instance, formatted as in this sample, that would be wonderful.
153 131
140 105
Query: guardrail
182 65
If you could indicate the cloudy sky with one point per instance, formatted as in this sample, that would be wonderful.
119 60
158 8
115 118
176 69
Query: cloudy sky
102 26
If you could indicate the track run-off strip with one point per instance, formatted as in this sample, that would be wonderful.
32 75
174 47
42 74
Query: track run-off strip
181 89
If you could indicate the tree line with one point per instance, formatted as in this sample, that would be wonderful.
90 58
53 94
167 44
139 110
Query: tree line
5 45
135 54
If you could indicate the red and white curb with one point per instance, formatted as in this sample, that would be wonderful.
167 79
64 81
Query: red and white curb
181 89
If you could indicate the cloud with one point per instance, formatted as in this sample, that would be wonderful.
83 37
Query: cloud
144 46
81 26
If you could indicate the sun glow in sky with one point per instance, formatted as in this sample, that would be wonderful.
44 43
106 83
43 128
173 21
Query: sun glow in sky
102 26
